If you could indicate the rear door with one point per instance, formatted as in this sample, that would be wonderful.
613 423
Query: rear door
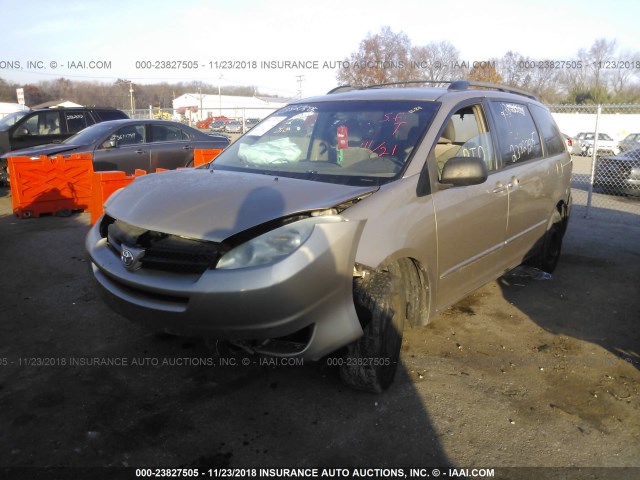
76 120
169 147
530 177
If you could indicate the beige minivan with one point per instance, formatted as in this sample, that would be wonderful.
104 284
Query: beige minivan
338 218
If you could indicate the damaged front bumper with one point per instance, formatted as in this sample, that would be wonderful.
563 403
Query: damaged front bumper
311 290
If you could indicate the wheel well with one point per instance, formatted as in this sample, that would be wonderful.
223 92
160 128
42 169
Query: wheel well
563 210
414 283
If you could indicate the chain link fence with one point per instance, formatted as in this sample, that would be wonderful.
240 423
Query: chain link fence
604 141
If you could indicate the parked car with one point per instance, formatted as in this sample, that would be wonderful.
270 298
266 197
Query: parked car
249 123
573 145
29 128
389 205
127 145
630 142
206 123
217 126
619 174
233 126
606 144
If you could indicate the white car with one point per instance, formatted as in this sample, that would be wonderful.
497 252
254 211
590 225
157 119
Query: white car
606 144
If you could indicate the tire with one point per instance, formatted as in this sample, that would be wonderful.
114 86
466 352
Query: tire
549 255
370 363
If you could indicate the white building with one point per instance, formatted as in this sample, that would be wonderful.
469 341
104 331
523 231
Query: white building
197 106
7 108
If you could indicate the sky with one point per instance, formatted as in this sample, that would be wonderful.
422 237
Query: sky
225 43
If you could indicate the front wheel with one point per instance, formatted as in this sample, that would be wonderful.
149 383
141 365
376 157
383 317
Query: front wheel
370 363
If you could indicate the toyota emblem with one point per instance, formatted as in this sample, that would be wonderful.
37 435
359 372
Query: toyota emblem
131 257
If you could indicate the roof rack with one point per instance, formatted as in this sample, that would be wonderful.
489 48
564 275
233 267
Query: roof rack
341 88
465 84
454 85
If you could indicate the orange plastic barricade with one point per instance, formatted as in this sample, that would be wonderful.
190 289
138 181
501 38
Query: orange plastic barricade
50 185
104 184
202 156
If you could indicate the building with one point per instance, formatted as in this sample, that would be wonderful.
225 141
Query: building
7 108
196 106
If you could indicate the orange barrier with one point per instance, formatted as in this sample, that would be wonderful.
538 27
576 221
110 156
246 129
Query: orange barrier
202 156
50 185
104 184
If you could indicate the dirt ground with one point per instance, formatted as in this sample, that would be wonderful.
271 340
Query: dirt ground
522 373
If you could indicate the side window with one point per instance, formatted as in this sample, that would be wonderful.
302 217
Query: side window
167 133
49 123
76 121
518 139
466 134
551 136
129 135
42 123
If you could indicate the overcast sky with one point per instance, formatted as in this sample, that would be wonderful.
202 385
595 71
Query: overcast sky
119 33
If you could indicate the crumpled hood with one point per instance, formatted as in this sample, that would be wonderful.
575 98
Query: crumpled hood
214 205
47 150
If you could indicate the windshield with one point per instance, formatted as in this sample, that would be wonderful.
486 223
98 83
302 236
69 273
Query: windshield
355 143
11 119
89 134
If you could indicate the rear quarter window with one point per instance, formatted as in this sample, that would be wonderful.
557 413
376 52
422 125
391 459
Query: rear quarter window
518 139
551 136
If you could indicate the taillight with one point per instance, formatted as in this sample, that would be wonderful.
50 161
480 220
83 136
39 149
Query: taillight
569 142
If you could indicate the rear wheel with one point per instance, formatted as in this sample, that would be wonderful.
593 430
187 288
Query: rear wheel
370 363
549 255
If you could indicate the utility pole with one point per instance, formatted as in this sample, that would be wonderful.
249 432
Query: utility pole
300 80
219 95
131 99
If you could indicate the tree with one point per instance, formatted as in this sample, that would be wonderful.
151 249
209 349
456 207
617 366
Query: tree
435 61
381 58
33 95
485 72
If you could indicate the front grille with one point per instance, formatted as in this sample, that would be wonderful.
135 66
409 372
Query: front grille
165 252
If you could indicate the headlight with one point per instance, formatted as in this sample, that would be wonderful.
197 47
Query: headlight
272 246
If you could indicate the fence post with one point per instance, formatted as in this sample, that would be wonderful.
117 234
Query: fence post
594 156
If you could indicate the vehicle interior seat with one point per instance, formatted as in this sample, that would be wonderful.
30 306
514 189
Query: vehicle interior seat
446 148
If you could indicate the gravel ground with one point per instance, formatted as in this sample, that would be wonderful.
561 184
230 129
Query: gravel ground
522 373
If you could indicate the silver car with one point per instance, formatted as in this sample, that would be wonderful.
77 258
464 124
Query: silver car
339 218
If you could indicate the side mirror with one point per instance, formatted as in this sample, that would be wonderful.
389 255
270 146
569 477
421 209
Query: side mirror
21 132
463 171
111 143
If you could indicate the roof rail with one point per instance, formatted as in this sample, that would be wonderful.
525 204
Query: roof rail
465 84
341 88
408 82
454 85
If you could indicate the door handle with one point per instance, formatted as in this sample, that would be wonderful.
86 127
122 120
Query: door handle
188 147
140 151
500 187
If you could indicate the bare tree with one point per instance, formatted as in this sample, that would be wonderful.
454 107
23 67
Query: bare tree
435 61
601 53
381 58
